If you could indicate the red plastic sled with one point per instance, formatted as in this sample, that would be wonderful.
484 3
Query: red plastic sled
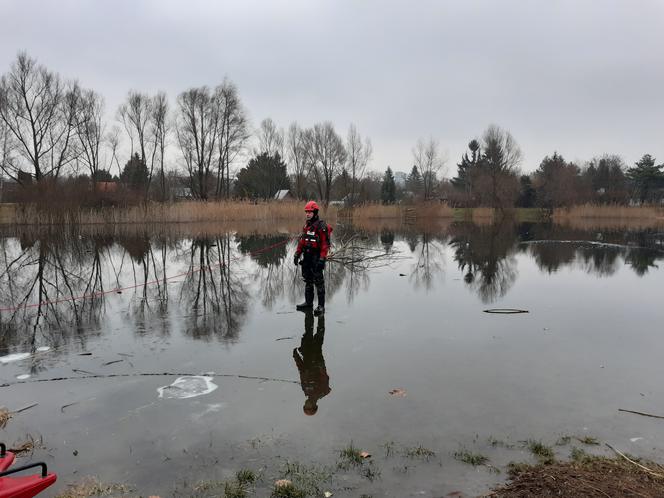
6 458
25 486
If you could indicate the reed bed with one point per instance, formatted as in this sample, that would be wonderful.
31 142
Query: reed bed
180 212
482 214
265 216
596 217
400 211
417 225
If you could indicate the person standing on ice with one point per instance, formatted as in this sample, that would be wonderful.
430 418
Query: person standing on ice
312 247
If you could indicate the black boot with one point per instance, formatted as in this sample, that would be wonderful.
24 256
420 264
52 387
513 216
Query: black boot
308 298
319 310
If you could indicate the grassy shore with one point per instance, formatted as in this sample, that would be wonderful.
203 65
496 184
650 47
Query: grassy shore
613 212
275 213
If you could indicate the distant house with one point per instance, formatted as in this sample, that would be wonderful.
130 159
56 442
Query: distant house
106 186
179 193
283 195
351 199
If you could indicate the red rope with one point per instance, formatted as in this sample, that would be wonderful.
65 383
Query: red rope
95 295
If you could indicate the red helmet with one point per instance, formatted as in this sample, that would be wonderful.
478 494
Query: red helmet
311 206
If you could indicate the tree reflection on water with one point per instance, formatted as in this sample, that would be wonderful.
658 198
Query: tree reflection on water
486 256
55 288
214 291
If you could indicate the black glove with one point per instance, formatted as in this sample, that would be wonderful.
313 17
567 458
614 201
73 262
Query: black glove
296 259
320 266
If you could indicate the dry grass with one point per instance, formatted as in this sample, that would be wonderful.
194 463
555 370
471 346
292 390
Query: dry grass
5 415
7 213
400 212
91 486
179 212
28 446
482 214
376 211
588 477
613 213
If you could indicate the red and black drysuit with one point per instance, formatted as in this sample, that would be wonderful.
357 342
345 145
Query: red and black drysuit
313 246
310 362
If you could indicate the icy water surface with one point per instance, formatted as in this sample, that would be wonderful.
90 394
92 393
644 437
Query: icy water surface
175 359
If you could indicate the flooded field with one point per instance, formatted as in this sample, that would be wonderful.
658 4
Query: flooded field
168 362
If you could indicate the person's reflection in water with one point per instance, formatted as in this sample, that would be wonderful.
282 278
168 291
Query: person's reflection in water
311 364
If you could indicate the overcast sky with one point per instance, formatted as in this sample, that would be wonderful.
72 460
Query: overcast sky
582 77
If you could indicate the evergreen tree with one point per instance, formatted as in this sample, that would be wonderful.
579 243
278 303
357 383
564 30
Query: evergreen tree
388 190
646 178
135 173
526 192
414 181
102 175
466 168
262 177
606 176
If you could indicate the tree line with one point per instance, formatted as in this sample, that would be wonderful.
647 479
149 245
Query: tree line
488 175
54 132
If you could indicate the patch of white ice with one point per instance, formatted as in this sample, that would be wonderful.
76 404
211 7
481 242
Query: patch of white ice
14 357
188 387
23 376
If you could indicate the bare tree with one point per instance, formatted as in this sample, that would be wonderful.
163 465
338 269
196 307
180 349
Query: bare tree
429 161
113 141
38 111
270 139
90 131
328 154
359 155
197 129
135 115
7 148
297 153
233 133
159 128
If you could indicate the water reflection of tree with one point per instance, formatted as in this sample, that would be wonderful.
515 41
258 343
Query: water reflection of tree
486 256
148 259
429 261
642 260
649 249
596 252
214 291
52 287
600 261
268 251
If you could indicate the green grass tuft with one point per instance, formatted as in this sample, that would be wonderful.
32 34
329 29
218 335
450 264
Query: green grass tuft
234 490
288 491
246 476
588 440
563 440
542 452
470 458
351 455
419 451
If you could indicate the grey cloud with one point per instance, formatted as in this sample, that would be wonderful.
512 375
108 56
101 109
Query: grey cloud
580 77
